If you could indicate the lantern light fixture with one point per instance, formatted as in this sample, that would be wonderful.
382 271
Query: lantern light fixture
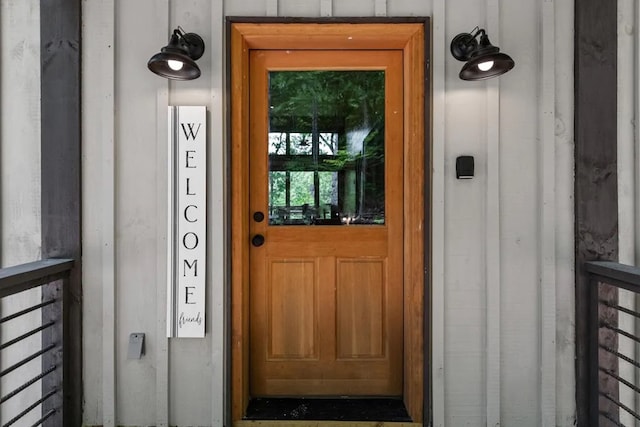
483 60
177 60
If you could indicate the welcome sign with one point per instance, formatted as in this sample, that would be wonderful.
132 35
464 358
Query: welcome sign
187 222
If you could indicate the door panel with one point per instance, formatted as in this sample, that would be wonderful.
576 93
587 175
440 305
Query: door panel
360 309
326 286
292 292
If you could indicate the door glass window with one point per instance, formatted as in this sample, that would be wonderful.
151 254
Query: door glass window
326 147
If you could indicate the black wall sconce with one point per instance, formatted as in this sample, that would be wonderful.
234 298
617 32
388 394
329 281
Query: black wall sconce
177 60
484 60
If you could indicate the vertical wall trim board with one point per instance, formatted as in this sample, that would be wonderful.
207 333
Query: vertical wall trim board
217 233
106 113
564 214
636 135
493 255
326 8
596 194
380 8
228 265
438 274
547 232
163 265
626 137
98 127
493 280
636 167
163 367
626 183
272 7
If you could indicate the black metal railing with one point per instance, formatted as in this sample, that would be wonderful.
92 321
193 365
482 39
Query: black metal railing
32 343
614 343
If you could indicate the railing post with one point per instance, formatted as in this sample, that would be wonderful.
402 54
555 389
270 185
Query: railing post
592 359
55 357
607 385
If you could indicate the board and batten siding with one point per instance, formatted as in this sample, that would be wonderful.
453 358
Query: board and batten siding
628 160
502 249
20 229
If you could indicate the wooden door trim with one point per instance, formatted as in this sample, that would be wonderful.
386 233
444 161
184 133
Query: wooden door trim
408 37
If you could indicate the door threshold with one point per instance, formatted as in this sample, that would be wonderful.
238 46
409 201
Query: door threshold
328 409
315 423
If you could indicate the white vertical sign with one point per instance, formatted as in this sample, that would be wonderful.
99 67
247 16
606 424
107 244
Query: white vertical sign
187 221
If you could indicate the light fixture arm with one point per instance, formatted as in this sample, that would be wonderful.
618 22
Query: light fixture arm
464 44
477 31
192 42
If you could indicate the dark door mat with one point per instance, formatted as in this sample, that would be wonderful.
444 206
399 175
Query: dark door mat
344 409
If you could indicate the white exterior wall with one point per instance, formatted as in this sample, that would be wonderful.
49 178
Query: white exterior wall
20 131
502 259
20 231
628 178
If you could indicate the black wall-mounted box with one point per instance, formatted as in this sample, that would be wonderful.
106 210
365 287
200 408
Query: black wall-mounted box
464 167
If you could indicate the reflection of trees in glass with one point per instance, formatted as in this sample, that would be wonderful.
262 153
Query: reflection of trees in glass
326 142
301 188
357 97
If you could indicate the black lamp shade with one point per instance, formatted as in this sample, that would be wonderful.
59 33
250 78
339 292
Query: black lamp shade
159 64
486 66
176 61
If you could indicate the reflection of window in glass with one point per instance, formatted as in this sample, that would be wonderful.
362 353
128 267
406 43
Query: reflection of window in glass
301 143
326 147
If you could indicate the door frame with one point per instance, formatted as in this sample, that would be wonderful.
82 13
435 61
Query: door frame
411 35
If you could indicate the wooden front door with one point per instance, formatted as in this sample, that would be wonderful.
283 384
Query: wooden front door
326 223
328 216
